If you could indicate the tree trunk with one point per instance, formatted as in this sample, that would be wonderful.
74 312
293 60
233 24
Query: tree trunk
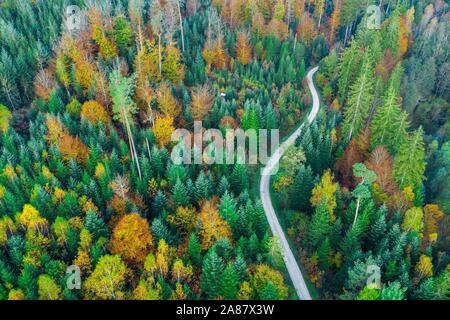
181 25
356 213
346 33
159 54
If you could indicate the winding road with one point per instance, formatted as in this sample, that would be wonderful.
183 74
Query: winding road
264 190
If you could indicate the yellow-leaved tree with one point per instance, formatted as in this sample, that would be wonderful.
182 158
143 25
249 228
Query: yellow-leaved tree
94 112
243 48
167 103
5 117
132 239
107 281
212 226
163 130
48 289
325 190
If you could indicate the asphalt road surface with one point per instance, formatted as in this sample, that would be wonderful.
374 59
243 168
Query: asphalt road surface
264 190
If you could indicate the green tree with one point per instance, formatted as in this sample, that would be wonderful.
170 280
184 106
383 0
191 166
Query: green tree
302 189
319 227
229 283
362 190
212 270
359 100
107 281
121 90
48 289
369 293
390 124
270 292
180 195
393 291
123 35
409 164
413 220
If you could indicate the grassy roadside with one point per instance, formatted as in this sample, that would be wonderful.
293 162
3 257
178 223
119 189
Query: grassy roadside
284 225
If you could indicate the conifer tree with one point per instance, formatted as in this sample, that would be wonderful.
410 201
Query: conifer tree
229 283
320 224
212 271
359 100
390 124
409 164
195 250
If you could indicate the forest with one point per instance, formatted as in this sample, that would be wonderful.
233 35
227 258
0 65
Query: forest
88 107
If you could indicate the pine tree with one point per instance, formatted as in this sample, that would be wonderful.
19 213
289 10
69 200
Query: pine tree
224 186
320 224
409 164
390 124
240 267
95 224
239 179
159 203
180 195
323 254
212 270
349 63
270 292
359 100
229 283
227 209
195 250
302 189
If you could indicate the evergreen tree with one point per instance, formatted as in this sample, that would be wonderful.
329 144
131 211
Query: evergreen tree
390 124
359 100
302 189
409 164
212 271
270 292
195 250
320 224
180 195
229 283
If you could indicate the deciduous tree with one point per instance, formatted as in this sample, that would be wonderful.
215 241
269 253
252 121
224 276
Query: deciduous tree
131 238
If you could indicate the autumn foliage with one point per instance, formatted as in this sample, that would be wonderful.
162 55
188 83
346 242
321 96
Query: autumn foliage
132 238
94 112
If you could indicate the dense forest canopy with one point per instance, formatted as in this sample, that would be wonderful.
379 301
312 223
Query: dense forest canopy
87 180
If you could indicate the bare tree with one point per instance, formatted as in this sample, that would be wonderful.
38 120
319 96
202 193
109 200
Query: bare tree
156 21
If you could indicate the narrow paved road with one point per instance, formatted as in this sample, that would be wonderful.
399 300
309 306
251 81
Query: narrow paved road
264 190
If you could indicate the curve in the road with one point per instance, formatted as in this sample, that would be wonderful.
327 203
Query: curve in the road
264 190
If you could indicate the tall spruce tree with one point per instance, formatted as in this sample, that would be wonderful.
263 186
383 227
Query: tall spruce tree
212 270
390 124
359 100
409 164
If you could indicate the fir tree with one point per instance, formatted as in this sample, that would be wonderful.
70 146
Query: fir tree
409 164
212 270
390 124
320 224
359 100
194 250
229 283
